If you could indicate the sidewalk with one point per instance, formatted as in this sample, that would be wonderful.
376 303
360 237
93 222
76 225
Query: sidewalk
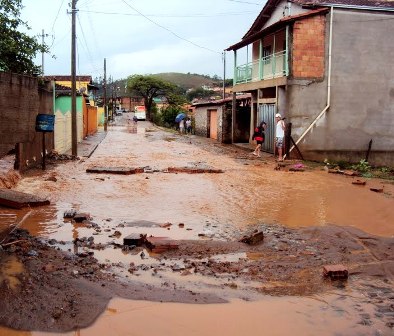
87 146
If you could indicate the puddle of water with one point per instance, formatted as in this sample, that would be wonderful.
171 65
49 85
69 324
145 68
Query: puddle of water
10 268
328 315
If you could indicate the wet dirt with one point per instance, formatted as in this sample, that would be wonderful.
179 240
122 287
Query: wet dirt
309 219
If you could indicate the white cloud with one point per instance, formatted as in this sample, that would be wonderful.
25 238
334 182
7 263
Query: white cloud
134 44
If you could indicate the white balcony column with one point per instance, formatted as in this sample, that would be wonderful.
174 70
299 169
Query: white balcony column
287 51
274 58
235 68
261 59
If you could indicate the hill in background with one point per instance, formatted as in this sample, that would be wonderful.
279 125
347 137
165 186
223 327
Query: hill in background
188 81
185 81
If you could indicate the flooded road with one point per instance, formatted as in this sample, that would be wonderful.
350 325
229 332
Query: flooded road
218 206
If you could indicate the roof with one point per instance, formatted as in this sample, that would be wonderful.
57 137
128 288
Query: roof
271 5
275 26
222 101
63 78
61 90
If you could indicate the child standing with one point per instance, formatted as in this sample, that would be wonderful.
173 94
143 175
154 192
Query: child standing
259 136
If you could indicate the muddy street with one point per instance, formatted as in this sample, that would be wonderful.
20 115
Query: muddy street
80 279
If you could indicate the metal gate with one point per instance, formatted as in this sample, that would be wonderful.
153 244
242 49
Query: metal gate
267 113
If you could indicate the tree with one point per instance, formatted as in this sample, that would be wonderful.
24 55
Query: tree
150 87
17 49
199 93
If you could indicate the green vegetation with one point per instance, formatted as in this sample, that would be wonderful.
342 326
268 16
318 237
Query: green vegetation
199 93
166 117
189 81
17 49
150 87
363 168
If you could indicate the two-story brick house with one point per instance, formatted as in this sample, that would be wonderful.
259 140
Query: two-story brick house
327 67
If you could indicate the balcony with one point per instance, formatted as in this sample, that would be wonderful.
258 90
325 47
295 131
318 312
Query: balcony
268 67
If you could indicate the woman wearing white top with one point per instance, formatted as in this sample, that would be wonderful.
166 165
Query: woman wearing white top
279 135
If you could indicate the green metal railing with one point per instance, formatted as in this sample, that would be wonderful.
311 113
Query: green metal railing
272 66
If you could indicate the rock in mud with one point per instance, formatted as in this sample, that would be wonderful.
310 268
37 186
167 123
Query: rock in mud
253 239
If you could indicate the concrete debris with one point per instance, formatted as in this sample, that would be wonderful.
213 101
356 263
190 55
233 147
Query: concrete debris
359 182
378 190
17 200
161 244
335 272
115 170
80 217
253 239
190 170
69 213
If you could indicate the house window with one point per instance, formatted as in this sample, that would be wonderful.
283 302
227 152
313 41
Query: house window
266 54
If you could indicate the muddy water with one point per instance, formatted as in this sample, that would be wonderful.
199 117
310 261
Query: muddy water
217 205
332 314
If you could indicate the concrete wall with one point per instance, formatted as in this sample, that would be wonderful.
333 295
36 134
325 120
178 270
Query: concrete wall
223 122
281 11
362 92
63 122
21 99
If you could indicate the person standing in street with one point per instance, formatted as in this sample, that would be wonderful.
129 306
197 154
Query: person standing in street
188 126
279 135
259 136
182 126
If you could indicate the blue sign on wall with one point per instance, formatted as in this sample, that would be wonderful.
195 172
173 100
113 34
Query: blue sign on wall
45 123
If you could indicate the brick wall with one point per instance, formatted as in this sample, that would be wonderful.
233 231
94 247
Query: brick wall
21 99
308 47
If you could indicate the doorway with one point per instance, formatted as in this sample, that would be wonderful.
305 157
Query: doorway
267 113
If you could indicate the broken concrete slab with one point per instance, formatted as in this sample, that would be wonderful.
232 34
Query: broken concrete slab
378 190
336 272
115 170
190 170
253 239
134 239
69 213
80 217
161 244
17 200
359 182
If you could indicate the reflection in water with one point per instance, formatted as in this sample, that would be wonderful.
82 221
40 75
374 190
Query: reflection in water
328 315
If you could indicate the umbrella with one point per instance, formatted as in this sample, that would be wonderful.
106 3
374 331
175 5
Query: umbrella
180 116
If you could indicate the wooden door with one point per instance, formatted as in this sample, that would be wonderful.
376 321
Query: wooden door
213 124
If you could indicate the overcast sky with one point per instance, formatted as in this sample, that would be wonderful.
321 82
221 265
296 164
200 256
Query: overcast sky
141 36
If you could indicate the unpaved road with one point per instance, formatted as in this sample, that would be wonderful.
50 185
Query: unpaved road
309 219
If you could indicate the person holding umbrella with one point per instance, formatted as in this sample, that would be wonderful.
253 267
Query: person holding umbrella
180 119
182 126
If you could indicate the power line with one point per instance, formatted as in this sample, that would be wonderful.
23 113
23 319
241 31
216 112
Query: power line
170 31
245 2
169 15
57 15
86 44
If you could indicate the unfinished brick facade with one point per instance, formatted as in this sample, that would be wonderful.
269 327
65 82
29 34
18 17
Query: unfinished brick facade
308 47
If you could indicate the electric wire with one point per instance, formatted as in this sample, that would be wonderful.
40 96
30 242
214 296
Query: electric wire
170 31
245 2
170 15
85 45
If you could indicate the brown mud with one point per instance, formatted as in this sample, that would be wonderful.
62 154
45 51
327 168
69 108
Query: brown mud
64 276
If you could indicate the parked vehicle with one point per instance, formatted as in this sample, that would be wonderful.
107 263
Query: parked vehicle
140 112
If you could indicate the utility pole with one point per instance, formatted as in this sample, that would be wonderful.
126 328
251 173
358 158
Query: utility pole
105 96
74 140
43 36
224 74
